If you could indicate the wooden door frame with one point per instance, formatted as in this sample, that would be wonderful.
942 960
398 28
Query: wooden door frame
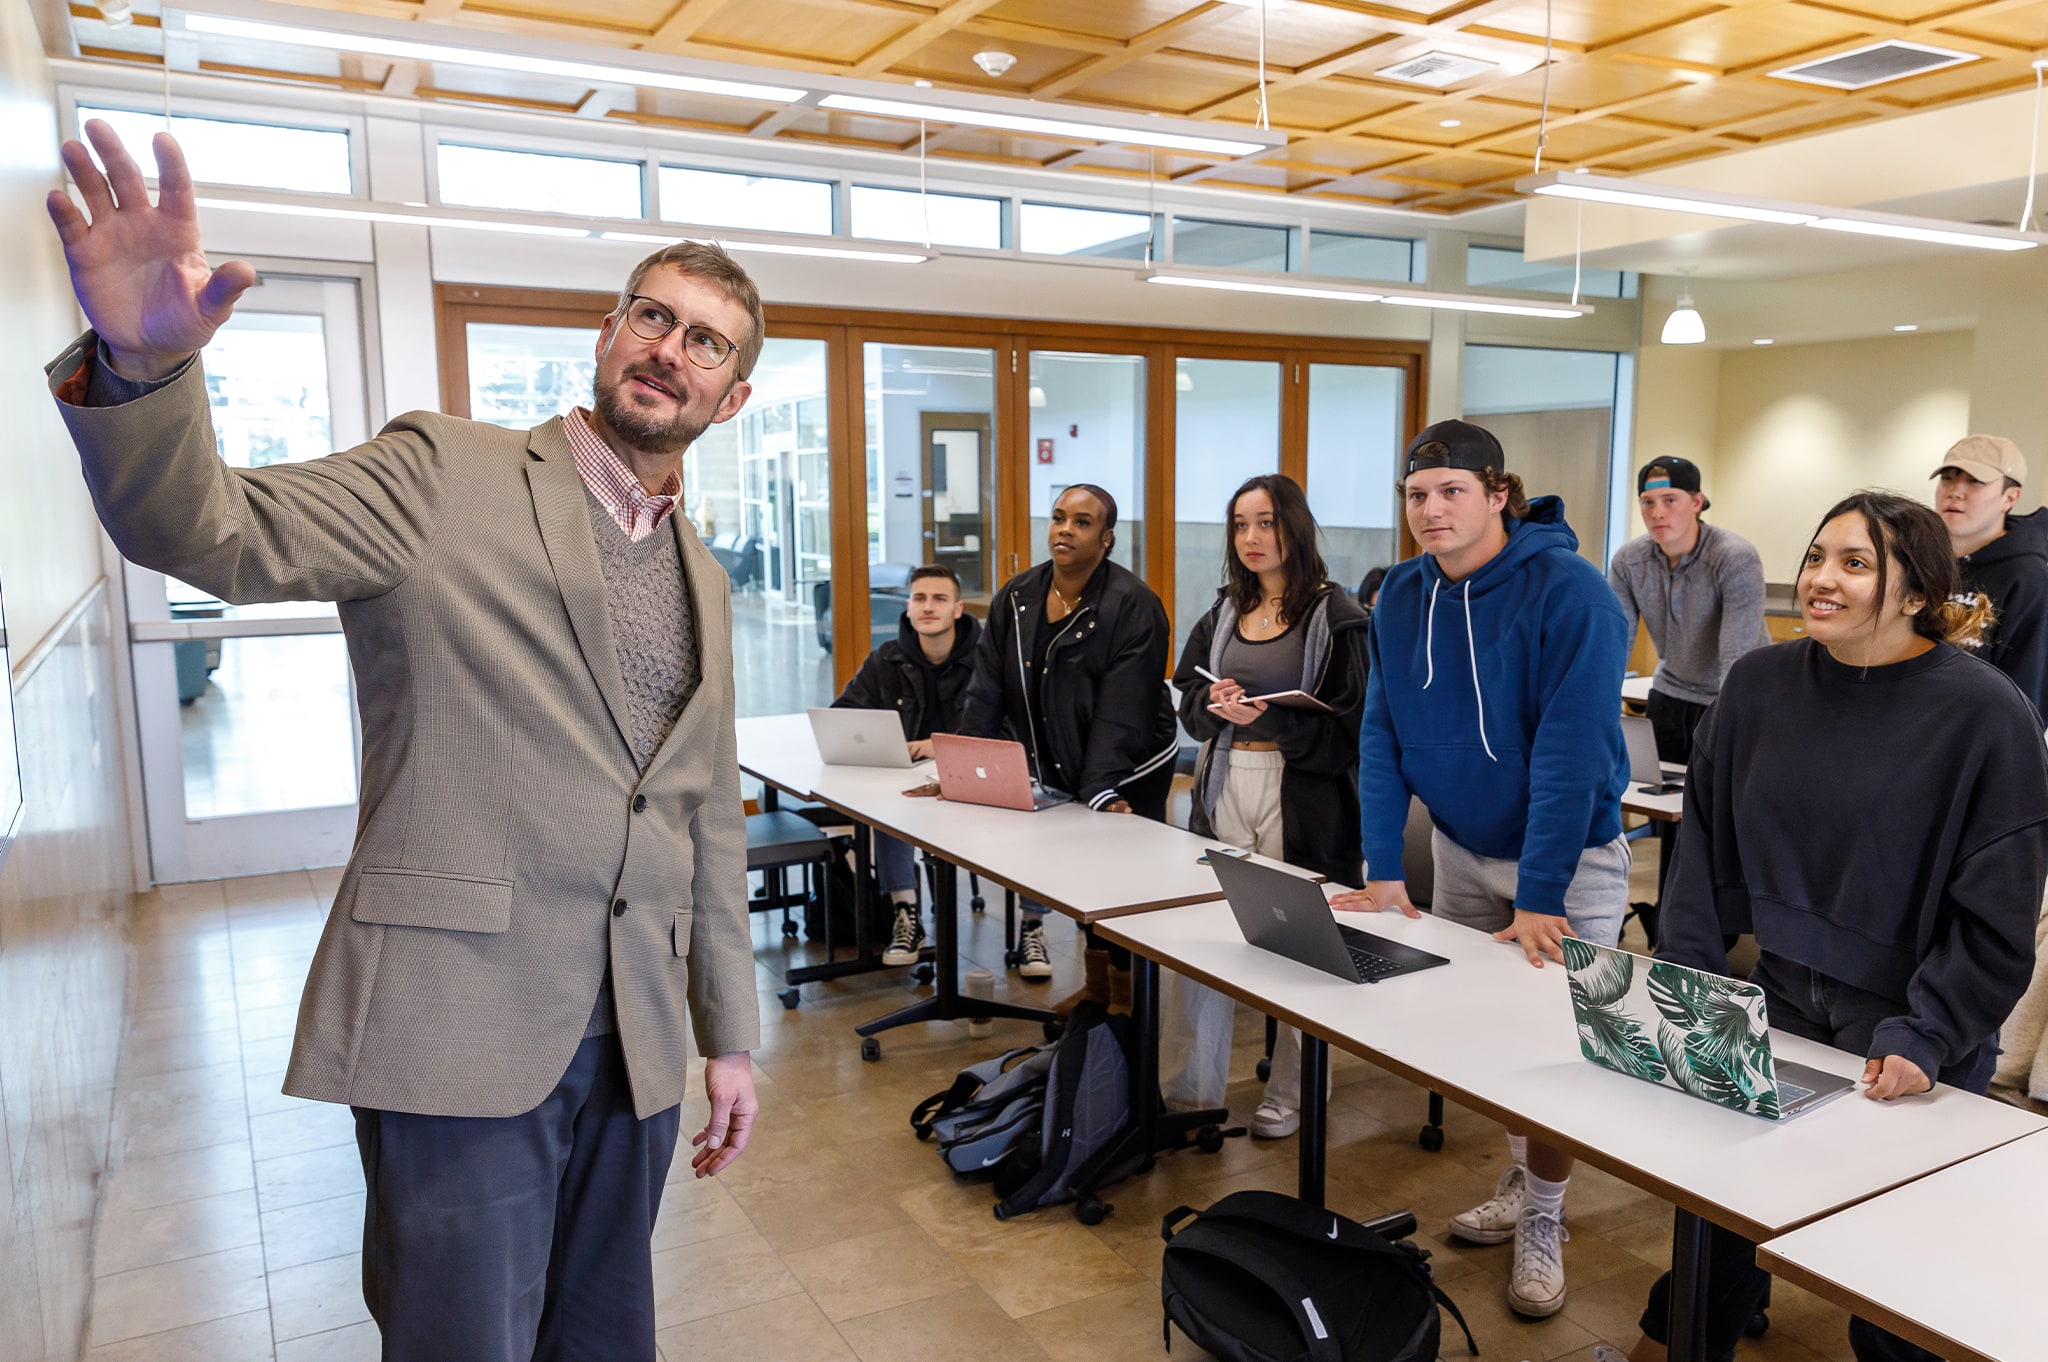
846 332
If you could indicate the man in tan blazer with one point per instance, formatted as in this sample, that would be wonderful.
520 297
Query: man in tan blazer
550 865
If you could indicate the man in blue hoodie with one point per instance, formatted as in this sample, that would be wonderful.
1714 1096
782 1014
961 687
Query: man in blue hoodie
1495 697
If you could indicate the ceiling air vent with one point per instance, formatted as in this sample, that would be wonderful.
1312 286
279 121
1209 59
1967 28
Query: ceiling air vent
1437 68
1874 65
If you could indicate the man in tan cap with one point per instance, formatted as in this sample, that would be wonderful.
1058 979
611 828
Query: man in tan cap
2004 557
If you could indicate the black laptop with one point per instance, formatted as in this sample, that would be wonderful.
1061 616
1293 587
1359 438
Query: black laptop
1288 915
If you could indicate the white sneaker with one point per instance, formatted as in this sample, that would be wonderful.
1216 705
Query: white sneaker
1271 1121
1033 960
906 938
1493 1221
1536 1282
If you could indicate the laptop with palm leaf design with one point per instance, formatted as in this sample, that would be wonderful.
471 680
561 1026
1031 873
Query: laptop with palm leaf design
1700 1033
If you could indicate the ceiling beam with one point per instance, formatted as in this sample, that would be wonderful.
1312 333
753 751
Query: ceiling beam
920 35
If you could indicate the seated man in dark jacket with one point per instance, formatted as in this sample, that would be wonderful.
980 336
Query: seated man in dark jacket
922 674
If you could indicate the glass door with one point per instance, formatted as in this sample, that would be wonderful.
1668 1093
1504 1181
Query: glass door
1226 428
1357 428
246 714
1088 424
932 491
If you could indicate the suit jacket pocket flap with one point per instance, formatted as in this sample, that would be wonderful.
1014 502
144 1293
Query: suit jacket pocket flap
425 898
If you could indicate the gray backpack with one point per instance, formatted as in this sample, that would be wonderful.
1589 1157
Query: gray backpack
991 1106
1087 1106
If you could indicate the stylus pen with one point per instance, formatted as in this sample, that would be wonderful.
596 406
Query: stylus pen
1212 678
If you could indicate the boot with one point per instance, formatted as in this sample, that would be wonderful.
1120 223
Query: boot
1095 984
1120 990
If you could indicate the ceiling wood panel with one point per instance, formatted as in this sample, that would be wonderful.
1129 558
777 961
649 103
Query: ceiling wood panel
1634 85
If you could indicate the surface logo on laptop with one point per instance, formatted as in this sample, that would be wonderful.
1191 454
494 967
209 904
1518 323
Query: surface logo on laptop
1280 913
1710 1038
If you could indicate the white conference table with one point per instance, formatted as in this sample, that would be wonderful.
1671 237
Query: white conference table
1635 690
1952 1262
1498 1036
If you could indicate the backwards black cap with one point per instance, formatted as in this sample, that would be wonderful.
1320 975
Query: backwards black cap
1455 444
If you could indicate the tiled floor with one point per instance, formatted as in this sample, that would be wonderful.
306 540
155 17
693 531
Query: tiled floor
231 1225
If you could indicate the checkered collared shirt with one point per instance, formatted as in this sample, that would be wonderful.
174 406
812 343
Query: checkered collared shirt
638 511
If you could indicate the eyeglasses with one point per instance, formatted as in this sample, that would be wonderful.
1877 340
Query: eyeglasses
652 321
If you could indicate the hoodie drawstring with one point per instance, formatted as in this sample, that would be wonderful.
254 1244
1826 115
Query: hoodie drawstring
1472 647
1429 635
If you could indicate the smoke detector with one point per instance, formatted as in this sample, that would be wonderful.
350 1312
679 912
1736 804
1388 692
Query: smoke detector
994 62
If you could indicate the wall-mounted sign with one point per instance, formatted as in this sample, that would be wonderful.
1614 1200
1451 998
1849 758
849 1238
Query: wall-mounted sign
1045 449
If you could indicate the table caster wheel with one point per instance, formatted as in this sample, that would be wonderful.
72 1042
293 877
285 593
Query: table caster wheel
1431 1138
1053 1031
790 998
870 1049
1759 1324
978 904
1089 1211
1013 958
1210 1139
924 974
790 929
1265 1069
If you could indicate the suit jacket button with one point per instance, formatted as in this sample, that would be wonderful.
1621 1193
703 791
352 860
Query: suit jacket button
639 803
618 907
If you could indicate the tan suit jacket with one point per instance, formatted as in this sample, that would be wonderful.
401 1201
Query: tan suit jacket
508 846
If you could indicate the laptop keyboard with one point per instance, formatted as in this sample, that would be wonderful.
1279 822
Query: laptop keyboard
1788 1093
1372 967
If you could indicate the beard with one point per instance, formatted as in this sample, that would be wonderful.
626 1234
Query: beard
640 428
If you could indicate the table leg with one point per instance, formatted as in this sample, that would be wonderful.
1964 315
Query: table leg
1687 1337
1313 1148
946 1004
863 961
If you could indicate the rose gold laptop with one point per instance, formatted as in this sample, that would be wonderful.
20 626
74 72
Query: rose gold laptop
989 771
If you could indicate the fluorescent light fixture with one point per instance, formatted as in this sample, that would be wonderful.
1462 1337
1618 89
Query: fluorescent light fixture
317 210
976 116
1907 327
1627 194
1989 239
1036 397
1452 302
1763 340
1183 279
1671 198
1684 326
406 49
776 247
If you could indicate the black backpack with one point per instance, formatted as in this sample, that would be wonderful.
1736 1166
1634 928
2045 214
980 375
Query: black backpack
1262 1277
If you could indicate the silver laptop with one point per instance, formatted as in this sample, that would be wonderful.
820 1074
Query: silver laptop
1644 768
1288 915
860 737
1684 1028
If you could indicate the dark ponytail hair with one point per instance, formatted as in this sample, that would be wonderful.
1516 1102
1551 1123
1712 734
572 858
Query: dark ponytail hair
1296 526
1910 534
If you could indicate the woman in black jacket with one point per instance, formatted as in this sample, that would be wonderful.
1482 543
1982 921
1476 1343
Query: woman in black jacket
1278 778
1072 664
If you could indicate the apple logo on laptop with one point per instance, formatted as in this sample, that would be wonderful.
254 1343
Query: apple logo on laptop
981 773
859 739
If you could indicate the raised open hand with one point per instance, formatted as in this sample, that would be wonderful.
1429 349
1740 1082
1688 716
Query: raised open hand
138 269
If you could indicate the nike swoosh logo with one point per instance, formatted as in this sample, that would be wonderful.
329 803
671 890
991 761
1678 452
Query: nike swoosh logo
1333 1229
998 1158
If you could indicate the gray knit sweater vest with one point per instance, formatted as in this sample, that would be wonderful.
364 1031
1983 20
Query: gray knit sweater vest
655 631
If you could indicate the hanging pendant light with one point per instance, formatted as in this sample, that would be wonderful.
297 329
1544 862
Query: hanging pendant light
1684 326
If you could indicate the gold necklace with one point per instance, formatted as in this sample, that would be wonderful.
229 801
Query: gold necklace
1066 606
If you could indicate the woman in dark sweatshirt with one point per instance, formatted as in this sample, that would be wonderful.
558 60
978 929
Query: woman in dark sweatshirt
1872 803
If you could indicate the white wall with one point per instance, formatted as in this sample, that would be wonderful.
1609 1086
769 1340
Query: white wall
49 541
1801 426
